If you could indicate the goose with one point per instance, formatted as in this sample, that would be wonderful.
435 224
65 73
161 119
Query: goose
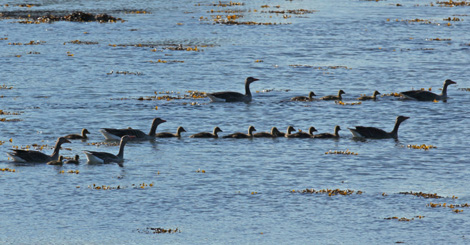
303 134
274 133
377 133
289 130
303 98
56 162
37 156
95 157
422 95
179 130
83 135
328 135
75 160
373 97
116 134
334 97
242 135
207 134
234 96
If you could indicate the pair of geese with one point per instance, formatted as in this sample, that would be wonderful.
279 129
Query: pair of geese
419 95
129 134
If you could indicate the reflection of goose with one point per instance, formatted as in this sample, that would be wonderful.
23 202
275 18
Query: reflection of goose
377 133
328 135
304 98
36 156
56 162
78 136
239 135
422 95
207 134
373 97
95 157
303 134
116 134
75 160
274 133
179 130
234 96
334 97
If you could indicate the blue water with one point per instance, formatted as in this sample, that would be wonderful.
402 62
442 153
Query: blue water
237 190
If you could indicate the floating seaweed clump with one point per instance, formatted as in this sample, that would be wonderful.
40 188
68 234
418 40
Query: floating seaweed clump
168 97
344 103
346 152
423 147
82 42
451 3
7 170
151 230
70 172
74 17
454 207
125 73
321 67
330 192
404 219
421 194
29 43
4 86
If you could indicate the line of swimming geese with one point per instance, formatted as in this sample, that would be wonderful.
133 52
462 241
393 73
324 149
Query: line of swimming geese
129 134
125 135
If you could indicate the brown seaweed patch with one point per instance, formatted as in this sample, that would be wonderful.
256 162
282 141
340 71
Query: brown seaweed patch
38 17
421 194
4 86
404 219
422 147
8 170
451 3
29 43
138 73
454 207
158 230
221 4
329 192
291 11
168 96
321 67
82 42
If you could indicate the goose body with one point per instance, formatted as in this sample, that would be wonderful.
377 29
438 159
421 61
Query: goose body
37 156
207 134
57 162
303 134
95 157
373 97
229 96
179 130
82 136
377 133
239 135
274 133
116 134
289 130
422 95
304 98
335 135
334 97
75 160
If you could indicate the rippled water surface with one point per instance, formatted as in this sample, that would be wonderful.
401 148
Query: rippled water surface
239 191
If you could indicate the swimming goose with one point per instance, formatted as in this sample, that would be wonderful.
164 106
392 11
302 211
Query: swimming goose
56 162
95 157
376 133
303 98
328 135
207 134
78 136
334 97
179 130
242 135
75 160
116 134
289 130
37 156
373 97
274 133
422 95
303 134
234 96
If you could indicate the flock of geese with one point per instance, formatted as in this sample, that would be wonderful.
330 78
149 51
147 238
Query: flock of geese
129 134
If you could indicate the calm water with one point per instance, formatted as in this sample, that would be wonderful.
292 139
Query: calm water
245 193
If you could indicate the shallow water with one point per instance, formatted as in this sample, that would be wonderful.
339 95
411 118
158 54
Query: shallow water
245 193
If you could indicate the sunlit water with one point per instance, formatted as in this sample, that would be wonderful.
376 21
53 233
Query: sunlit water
237 190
